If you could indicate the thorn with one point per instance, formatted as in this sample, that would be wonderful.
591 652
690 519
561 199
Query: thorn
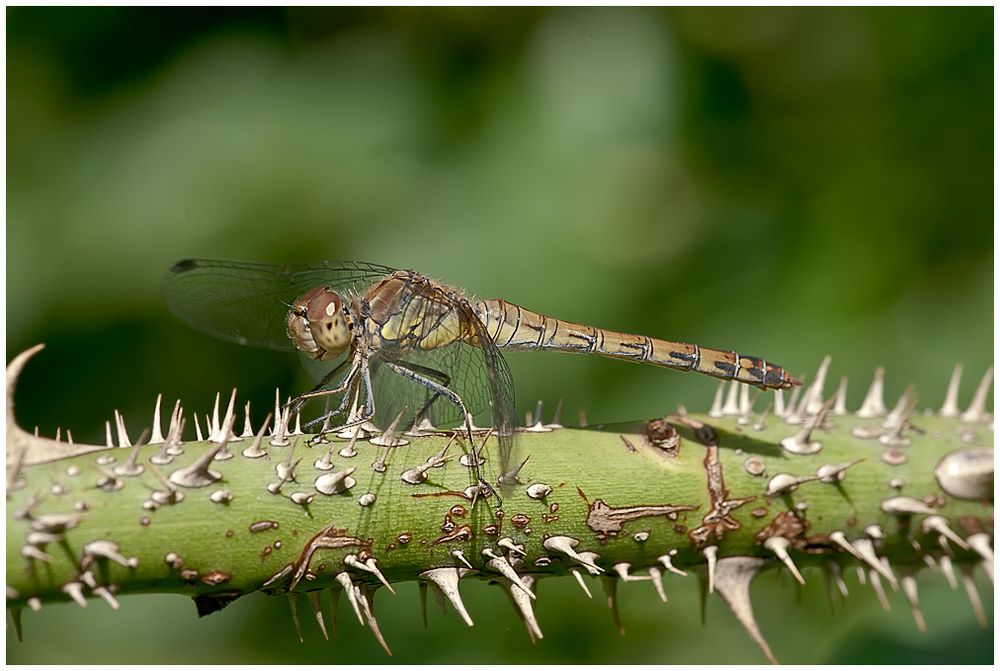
366 599
716 410
779 546
297 431
390 438
254 451
566 545
214 427
15 611
369 566
948 570
422 590
198 473
976 411
841 540
75 591
910 590
109 550
732 405
867 552
108 597
557 417
130 468
279 436
344 580
657 577
801 442
503 567
582 419
812 401
939 524
157 436
460 556
745 404
950 406
335 483
711 554
667 564
509 478
511 547
873 578
980 543
524 609
247 426
294 606
973 594
873 405
838 578
446 581
622 569
197 428
732 577
610 585
317 611
579 579
904 506
840 399
779 403
537 426
759 424
123 440
229 420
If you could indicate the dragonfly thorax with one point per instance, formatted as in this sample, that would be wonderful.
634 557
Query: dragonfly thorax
320 323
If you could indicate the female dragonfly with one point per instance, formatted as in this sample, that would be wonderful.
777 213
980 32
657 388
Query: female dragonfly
404 342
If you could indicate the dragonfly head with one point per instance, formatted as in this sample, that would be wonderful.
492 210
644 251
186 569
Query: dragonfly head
320 324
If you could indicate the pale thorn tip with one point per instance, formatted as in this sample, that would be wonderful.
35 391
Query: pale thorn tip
977 408
840 399
460 556
867 551
874 405
365 595
939 524
950 406
500 564
876 583
840 539
732 578
801 443
108 597
656 576
254 451
779 403
970 591
317 610
779 546
668 564
579 580
838 578
980 544
716 410
731 408
711 554
610 586
247 426
156 436
344 580
446 580
948 570
524 608
910 590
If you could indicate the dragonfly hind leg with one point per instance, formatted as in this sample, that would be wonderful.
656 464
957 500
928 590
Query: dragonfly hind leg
422 375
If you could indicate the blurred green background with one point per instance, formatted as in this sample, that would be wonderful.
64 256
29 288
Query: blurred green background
786 182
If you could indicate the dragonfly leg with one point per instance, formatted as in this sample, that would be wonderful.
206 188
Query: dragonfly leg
433 373
319 390
410 372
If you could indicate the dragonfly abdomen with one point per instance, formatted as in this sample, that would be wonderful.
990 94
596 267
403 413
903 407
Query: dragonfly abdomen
514 327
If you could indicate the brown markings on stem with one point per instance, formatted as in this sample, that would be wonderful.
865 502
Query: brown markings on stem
329 538
664 437
789 524
608 521
718 520
425 495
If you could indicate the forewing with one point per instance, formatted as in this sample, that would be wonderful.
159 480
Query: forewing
247 303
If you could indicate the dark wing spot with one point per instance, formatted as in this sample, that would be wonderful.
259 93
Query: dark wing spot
184 266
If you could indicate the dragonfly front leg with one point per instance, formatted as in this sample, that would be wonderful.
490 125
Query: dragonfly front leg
410 372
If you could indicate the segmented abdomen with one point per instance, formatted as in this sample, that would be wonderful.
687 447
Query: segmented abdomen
516 328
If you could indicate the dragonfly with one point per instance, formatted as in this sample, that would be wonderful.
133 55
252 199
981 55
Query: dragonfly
397 341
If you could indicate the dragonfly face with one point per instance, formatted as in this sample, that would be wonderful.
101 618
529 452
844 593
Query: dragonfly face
320 323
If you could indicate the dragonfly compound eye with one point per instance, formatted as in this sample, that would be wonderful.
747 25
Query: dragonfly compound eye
328 322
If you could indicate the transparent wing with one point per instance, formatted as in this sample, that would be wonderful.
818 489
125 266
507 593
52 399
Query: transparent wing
476 372
247 303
